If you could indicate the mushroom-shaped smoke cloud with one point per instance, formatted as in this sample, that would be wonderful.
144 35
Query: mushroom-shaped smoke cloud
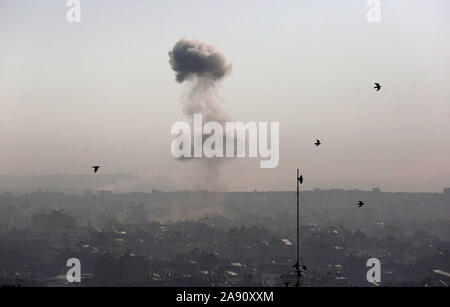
190 57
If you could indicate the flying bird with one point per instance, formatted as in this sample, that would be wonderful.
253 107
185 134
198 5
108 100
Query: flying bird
300 179
360 204
95 167
317 143
377 86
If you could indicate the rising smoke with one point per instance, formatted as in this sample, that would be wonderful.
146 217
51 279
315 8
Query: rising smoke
192 58
201 67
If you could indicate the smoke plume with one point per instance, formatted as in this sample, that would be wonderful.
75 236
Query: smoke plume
192 58
201 67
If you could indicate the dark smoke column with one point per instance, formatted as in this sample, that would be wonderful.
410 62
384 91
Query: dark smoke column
190 58
203 66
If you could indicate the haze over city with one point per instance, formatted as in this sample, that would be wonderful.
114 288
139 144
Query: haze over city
154 144
102 92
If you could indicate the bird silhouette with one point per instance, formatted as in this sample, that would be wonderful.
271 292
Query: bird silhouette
317 143
377 86
300 179
95 167
304 267
360 203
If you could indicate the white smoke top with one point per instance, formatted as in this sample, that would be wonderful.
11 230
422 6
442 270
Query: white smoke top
202 66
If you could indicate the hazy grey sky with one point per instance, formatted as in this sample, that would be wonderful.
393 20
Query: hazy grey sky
102 91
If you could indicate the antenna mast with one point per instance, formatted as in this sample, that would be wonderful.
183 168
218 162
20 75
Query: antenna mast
298 271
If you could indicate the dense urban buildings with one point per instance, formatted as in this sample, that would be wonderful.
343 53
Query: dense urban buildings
223 239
